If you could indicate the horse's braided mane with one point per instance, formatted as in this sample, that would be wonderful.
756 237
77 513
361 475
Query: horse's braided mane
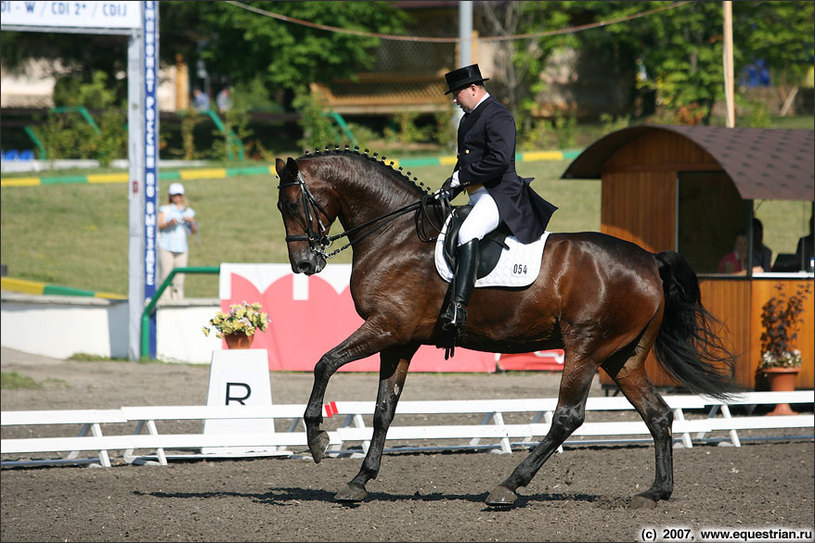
379 161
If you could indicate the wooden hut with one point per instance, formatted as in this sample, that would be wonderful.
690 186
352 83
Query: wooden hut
690 189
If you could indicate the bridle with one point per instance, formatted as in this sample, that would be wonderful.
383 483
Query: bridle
318 239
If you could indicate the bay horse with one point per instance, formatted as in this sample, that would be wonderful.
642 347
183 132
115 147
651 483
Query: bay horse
604 301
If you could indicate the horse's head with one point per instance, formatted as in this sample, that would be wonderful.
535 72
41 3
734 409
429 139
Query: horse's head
362 191
305 218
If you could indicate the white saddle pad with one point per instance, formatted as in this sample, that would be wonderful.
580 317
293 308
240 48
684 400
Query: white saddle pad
517 267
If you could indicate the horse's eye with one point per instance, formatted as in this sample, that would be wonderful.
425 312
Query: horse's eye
289 207
286 206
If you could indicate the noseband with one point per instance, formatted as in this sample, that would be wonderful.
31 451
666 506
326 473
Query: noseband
319 240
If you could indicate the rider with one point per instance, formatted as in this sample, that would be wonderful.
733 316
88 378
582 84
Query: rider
486 169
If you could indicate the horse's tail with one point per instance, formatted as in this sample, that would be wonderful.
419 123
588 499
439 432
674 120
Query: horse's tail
687 346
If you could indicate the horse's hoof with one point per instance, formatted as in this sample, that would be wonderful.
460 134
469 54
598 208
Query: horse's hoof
318 445
351 493
501 497
642 502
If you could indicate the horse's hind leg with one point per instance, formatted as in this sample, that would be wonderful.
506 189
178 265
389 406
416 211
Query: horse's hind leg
630 376
569 415
392 372
636 386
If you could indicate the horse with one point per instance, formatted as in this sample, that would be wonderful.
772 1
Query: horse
603 300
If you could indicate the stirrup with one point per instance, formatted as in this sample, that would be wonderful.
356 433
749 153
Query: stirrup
457 319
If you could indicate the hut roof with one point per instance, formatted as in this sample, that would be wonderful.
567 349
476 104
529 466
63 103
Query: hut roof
764 163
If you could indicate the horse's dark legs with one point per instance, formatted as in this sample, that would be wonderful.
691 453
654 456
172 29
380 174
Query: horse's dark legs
569 415
313 417
659 418
365 341
633 381
392 372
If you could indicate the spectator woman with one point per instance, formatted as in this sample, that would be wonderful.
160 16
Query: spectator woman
175 221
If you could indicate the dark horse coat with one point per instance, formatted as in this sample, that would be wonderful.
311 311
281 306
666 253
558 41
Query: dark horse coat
486 155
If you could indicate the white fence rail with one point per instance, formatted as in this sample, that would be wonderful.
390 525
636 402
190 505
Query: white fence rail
353 429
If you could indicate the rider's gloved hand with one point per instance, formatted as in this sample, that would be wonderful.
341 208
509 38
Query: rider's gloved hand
451 187
454 181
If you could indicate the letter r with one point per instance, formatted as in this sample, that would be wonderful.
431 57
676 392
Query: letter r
239 399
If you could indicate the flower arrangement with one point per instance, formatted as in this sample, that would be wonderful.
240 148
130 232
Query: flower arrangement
243 317
780 317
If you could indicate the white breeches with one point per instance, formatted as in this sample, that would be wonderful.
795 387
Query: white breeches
167 261
483 218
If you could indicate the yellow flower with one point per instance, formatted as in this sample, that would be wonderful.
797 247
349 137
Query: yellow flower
244 317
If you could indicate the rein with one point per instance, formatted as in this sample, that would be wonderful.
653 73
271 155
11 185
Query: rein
320 241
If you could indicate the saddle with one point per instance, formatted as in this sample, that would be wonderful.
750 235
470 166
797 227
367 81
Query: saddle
489 247
503 260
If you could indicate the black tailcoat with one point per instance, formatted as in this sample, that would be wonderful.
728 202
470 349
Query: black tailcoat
486 155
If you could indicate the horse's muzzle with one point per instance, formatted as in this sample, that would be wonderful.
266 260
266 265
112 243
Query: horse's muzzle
310 265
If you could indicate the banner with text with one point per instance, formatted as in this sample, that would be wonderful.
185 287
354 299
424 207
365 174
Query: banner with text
104 15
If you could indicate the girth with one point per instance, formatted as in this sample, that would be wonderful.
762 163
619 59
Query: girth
489 247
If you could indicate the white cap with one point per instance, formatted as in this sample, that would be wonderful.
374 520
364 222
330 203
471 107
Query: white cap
176 188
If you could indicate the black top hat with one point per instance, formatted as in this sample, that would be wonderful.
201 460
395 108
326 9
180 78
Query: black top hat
463 77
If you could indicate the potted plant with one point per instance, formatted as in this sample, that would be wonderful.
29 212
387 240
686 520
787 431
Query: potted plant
239 325
780 360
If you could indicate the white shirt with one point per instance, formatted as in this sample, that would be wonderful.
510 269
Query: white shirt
174 238
486 95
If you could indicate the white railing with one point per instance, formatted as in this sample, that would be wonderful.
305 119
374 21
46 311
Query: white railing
353 429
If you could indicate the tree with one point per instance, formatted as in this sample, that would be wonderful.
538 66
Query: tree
240 45
680 48
235 44
505 18
781 33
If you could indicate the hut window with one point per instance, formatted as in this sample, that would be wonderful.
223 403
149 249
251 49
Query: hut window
786 222
711 216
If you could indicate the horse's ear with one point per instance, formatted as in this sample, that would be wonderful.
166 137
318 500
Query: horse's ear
288 168
291 164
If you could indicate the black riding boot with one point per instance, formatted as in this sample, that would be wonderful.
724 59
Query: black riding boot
455 314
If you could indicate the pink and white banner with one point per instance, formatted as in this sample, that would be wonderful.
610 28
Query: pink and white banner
311 315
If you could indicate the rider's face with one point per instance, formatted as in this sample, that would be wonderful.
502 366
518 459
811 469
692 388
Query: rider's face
466 98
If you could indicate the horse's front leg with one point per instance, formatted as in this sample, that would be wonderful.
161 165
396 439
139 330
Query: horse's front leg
392 373
365 341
